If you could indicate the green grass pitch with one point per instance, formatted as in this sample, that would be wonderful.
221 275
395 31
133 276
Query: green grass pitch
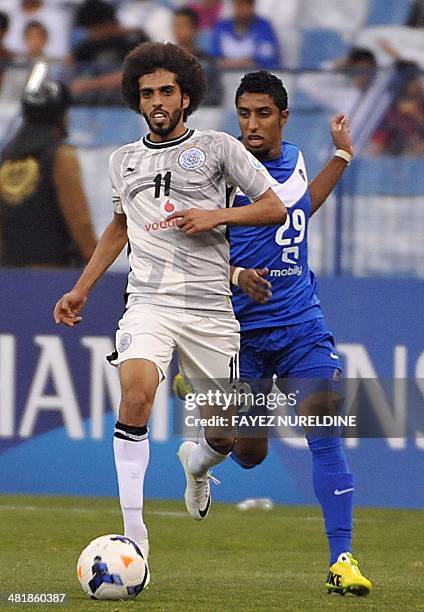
256 560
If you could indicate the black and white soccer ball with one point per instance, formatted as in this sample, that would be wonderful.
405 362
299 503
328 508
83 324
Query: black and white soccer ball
112 567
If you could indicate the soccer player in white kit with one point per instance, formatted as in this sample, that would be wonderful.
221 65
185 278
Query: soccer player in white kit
171 204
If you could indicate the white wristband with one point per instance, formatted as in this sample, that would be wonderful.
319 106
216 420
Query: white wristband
236 274
344 155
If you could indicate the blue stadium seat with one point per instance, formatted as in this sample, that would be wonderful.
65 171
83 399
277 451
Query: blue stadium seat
104 126
299 100
310 132
385 176
383 12
319 46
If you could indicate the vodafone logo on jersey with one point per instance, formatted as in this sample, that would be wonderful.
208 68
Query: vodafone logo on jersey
166 209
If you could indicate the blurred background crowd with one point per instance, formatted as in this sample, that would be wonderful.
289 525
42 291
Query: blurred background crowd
362 57
345 43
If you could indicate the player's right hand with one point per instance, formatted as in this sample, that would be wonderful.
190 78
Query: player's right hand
68 308
252 283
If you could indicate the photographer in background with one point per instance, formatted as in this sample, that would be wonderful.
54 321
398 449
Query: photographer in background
97 60
44 216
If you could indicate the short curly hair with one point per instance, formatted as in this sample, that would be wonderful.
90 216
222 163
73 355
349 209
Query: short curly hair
151 56
264 82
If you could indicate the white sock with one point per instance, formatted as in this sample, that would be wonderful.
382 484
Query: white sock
131 459
203 457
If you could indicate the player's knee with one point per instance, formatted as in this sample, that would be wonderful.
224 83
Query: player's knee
251 457
222 444
136 406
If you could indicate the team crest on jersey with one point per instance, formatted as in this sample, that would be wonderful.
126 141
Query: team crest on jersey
192 159
124 342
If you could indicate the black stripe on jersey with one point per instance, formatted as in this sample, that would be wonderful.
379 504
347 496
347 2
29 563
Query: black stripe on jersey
228 193
168 143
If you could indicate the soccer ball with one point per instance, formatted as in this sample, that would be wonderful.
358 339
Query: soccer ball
112 567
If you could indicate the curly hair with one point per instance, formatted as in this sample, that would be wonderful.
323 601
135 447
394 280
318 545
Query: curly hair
149 57
266 83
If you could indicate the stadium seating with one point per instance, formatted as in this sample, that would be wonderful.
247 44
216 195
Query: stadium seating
319 46
408 42
388 12
346 16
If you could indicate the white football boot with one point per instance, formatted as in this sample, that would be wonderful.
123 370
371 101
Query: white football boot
144 547
197 495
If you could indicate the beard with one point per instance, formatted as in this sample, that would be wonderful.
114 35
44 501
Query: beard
165 129
260 154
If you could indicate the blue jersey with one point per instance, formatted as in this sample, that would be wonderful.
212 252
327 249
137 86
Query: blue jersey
259 42
284 250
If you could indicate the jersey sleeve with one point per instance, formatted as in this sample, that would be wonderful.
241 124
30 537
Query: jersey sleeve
116 197
243 170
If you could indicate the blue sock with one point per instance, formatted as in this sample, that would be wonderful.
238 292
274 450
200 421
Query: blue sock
333 486
245 466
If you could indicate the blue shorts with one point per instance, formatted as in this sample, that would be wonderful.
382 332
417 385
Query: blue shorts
304 350
301 356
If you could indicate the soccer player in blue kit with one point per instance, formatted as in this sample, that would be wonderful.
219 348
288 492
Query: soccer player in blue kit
283 332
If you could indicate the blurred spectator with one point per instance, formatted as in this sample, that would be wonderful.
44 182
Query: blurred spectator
54 19
35 40
44 215
16 76
345 16
416 16
5 54
246 40
208 12
401 131
155 19
286 23
360 64
344 83
98 58
409 55
186 30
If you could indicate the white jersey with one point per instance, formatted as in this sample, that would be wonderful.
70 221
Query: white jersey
152 180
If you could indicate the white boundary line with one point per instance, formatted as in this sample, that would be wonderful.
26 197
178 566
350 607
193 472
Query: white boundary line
24 508
170 513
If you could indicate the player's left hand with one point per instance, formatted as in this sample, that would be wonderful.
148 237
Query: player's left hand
340 132
252 283
193 221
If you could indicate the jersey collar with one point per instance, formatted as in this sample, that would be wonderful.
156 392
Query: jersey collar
167 143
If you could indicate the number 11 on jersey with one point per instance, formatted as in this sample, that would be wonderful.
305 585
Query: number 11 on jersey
158 184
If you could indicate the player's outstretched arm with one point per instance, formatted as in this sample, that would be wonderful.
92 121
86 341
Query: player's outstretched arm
111 243
324 183
268 209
